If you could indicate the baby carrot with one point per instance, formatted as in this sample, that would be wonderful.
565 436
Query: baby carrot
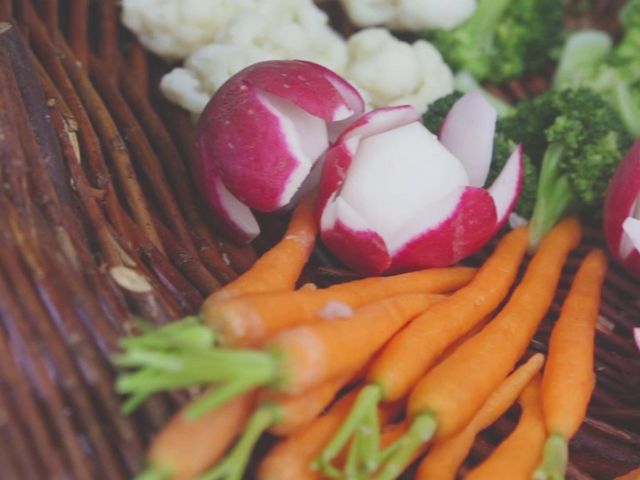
279 268
632 475
516 457
291 362
445 457
448 396
417 347
280 414
186 448
569 377
250 319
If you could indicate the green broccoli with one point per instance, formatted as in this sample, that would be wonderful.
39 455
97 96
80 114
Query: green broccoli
504 38
435 115
590 60
503 147
576 139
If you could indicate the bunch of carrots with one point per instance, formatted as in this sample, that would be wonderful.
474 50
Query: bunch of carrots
362 379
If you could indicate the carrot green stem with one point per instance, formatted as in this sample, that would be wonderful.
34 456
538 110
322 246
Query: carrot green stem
188 333
403 449
364 408
233 466
554 459
233 372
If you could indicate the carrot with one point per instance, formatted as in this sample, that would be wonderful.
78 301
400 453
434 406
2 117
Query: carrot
632 475
516 457
417 347
250 319
569 376
281 415
290 459
448 396
279 268
445 457
186 448
291 362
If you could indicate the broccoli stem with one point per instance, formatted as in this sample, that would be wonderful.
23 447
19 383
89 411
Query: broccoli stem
153 473
486 19
554 459
628 108
582 54
555 198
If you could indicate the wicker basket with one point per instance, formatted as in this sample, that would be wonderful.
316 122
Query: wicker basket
99 224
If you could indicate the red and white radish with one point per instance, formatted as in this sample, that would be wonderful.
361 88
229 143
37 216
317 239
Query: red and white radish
392 197
262 132
622 211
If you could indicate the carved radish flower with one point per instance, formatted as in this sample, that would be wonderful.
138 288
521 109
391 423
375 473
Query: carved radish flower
622 212
393 197
262 132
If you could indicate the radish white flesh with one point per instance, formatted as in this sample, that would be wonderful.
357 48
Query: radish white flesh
636 336
506 188
406 166
622 211
468 132
393 198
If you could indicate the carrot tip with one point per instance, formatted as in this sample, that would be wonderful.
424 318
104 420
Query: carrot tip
554 460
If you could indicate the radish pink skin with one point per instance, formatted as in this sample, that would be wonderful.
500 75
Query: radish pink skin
470 226
622 193
233 132
207 182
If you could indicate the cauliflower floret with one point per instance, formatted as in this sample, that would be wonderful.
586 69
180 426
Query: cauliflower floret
291 29
394 72
206 70
175 28
411 15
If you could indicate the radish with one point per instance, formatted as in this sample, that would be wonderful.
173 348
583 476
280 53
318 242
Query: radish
262 132
622 211
393 198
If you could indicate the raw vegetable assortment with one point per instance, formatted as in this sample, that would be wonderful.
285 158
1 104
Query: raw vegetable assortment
428 358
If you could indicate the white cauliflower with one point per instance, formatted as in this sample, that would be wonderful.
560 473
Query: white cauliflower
206 70
175 28
278 29
394 72
290 29
410 15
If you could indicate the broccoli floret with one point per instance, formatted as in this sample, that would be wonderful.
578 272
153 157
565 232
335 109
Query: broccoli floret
435 115
503 38
576 139
503 147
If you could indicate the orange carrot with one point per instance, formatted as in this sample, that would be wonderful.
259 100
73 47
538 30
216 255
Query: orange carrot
292 362
250 319
279 268
448 396
569 376
632 475
445 457
325 349
185 448
417 347
516 457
